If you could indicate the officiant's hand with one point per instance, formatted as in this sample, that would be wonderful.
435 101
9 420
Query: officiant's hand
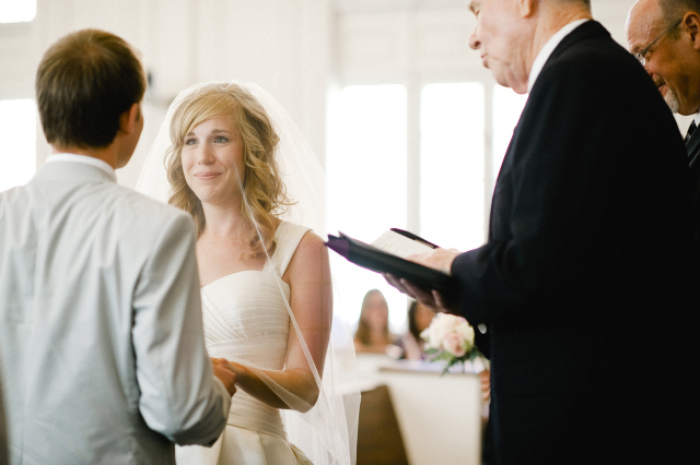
439 259
224 371
432 299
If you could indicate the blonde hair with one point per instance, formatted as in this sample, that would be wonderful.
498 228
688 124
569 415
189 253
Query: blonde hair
364 331
264 192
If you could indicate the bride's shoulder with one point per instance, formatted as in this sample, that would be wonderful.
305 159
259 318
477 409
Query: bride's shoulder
290 232
310 250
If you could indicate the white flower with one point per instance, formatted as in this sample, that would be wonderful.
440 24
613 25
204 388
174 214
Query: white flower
450 333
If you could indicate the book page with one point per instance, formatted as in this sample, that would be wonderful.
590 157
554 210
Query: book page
396 244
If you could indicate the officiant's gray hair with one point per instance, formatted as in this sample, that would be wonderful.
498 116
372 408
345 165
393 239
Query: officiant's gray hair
264 191
673 10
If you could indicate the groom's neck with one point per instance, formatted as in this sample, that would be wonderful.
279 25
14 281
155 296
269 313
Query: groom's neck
108 154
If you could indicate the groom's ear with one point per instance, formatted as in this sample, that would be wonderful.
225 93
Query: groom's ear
128 121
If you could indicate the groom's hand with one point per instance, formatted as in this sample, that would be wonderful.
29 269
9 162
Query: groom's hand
224 371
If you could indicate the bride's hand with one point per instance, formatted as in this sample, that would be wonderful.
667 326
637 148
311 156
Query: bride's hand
225 372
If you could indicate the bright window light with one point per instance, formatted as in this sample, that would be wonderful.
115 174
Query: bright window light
366 169
17 11
452 165
18 133
507 107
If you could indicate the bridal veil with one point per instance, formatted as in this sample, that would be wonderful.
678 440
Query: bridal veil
327 431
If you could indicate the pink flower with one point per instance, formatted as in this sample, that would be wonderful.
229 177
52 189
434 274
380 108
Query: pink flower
450 338
454 344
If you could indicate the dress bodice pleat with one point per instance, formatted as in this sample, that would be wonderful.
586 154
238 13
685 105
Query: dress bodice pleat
246 320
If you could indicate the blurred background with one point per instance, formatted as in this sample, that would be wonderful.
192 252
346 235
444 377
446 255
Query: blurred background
410 128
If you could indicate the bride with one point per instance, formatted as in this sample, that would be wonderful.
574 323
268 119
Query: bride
266 286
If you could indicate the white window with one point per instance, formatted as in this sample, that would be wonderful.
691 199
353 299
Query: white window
452 206
17 11
366 170
18 133
507 107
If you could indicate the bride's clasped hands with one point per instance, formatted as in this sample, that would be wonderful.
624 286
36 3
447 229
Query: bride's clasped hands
225 372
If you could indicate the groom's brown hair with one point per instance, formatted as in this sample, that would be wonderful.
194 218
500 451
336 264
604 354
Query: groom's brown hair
84 83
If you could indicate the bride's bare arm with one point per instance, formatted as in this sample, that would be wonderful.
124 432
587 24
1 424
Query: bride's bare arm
308 275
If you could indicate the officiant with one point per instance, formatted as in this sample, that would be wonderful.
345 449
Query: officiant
584 281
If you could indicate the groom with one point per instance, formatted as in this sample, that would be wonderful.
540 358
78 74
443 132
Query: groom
102 358
585 280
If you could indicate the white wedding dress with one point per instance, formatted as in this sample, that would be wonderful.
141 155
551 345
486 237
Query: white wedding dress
246 320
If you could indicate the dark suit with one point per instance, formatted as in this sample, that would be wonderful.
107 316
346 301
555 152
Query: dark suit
586 267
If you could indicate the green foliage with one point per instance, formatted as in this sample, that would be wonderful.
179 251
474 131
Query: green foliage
436 355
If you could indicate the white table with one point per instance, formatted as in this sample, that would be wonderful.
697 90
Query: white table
439 416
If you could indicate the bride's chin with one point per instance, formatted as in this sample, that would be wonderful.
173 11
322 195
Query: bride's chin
216 198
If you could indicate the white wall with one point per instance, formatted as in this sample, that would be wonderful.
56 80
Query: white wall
293 48
280 44
427 40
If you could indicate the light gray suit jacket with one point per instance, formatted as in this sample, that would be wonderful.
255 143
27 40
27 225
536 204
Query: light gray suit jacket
102 357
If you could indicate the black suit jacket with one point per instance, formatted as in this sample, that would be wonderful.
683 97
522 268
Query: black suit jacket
586 266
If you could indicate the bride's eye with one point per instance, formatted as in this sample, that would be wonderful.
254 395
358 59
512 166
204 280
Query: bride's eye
220 140
190 141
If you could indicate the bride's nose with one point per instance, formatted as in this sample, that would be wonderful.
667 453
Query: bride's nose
205 155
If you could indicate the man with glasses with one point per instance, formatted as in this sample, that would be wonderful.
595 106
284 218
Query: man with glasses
584 280
664 35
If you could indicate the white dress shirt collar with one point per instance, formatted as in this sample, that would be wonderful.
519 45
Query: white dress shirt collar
697 119
71 157
548 49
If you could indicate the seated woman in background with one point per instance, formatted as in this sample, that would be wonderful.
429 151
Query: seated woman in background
372 335
419 317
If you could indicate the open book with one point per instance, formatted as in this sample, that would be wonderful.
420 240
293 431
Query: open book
388 254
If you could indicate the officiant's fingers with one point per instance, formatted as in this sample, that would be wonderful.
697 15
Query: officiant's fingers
440 303
394 281
423 296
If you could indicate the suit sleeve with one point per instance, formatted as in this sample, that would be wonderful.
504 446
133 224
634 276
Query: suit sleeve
180 398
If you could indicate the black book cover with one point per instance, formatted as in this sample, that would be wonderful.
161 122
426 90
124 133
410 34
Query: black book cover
374 259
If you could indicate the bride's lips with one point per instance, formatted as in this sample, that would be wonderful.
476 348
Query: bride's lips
206 175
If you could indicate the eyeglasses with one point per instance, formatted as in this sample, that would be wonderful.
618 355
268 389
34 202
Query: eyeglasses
642 56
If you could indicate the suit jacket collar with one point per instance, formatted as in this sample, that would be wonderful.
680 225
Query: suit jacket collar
587 30
71 171
549 47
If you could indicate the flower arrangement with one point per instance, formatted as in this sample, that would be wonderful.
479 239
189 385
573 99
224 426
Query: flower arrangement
450 338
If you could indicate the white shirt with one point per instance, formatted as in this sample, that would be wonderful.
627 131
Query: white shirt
548 49
71 157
